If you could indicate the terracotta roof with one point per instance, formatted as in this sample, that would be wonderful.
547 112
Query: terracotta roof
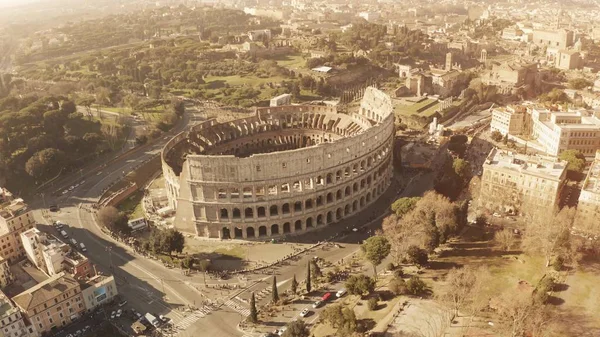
45 291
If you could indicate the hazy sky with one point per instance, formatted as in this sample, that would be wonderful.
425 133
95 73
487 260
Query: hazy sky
6 3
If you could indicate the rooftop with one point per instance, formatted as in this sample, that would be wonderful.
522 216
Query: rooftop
16 207
45 291
592 181
532 165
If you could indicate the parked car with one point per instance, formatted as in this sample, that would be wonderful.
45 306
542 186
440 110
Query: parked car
113 314
304 312
164 318
82 246
282 330
58 224
340 293
64 234
119 312
317 304
74 242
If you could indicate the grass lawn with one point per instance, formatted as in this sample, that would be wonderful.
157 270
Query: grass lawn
425 108
236 251
132 206
237 80
581 295
291 61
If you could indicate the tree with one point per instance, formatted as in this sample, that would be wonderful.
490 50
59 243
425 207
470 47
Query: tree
464 289
496 136
253 316
579 83
114 220
505 239
416 286
316 270
294 285
575 160
340 318
360 285
187 262
275 293
172 241
297 328
178 107
548 233
45 163
519 315
461 168
308 285
404 205
397 286
376 248
417 256
372 303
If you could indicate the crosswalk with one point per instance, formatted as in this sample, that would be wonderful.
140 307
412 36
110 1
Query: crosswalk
187 321
238 305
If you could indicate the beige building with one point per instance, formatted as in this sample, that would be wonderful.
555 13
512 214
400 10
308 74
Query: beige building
509 120
588 208
15 218
12 322
568 60
560 38
6 276
52 256
98 290
511 75
520 183
53 303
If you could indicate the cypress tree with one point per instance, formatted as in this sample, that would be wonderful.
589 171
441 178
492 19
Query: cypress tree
274 290
253 317
308 287
294 285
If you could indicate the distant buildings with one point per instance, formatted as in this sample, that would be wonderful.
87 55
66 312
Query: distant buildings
259 35
15 218
560 38
12 322
511 75
514 182
588 208
568 60
284 99
553 131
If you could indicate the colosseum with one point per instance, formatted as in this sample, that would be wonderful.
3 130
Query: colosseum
282 171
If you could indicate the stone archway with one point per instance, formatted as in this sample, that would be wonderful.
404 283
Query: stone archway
275 229
238 233
262 231
298 225
286 228
250 232
225 233
309 223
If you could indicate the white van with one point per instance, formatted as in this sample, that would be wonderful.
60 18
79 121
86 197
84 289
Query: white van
74 242
340 293
64 234
82 246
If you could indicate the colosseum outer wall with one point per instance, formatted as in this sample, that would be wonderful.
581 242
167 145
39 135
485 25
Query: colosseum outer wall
284 192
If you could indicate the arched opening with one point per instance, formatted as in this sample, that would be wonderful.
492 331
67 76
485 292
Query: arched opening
285 209
236 213
309 223
362 201
308 204
298 206
286 228
369 162
238 233
298 225
319 201
355 168
355 187
338 175
329 217
250 232
347 209
273 210
222 193
355 206
275 229
338 195
249 212
362 184
329 197
362 165
319 219
225 233
369 197
329 178
262 231
261 212
224 214
347 192
338 214
369 180
347 172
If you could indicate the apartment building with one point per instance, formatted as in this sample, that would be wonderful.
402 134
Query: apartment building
588 208
511 180
52 256
15 218
6 276
560 38
509 120
12 322
98 290
53 303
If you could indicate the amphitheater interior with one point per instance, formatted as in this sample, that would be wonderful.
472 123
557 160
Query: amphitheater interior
282 171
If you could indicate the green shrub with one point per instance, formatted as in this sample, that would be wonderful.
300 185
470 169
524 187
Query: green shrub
372 303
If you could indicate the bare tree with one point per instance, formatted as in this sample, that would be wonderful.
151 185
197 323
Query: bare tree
520 314
465 289
505 239
548 233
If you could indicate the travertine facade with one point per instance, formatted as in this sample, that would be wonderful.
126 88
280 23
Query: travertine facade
511 181
284 170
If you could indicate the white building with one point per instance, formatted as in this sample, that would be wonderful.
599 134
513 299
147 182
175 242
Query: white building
285 99
98 290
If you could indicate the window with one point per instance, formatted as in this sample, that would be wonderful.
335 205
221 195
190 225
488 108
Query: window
257 168
284 165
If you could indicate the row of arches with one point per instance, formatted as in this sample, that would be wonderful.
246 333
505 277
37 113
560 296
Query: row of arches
250 232
253 212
